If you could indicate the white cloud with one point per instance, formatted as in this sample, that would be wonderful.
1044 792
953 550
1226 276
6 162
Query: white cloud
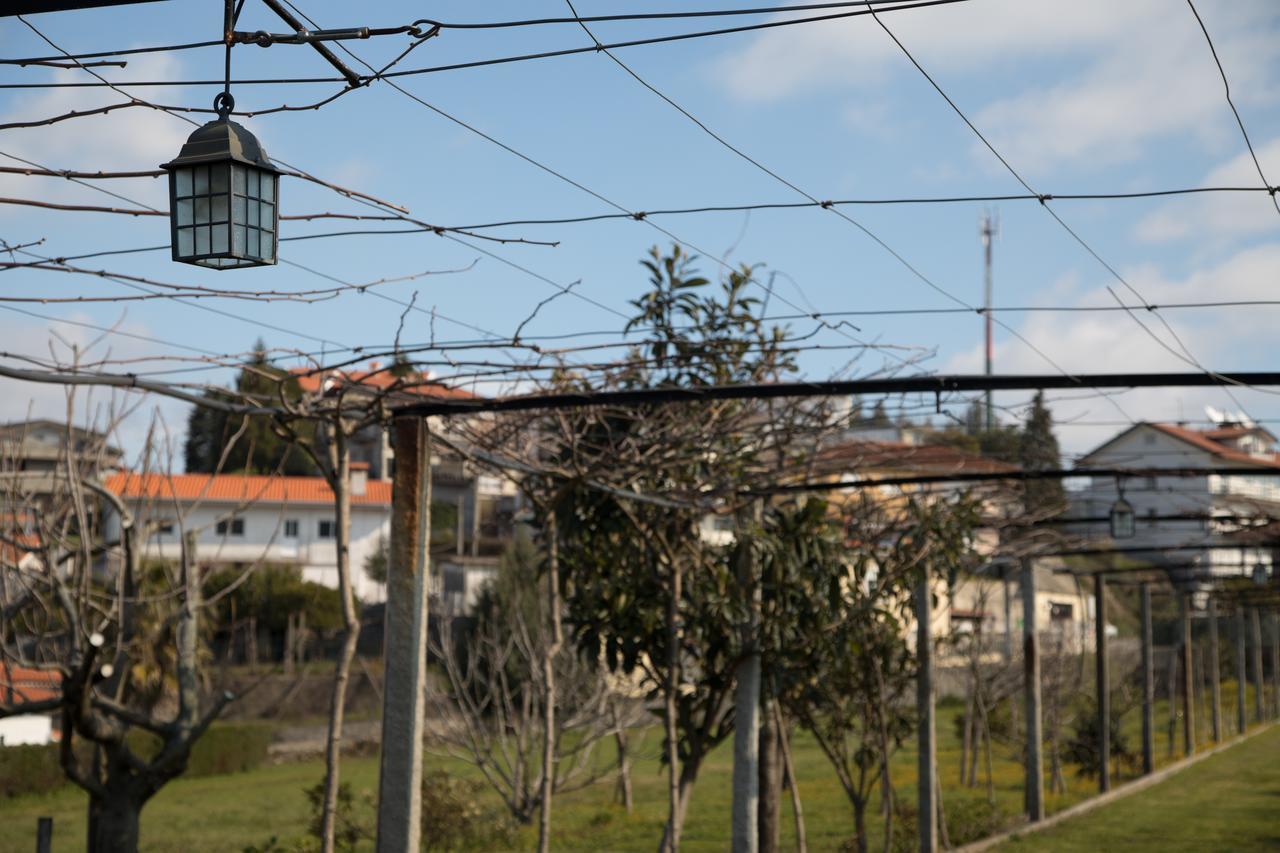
1109 342
92 407
1223 216
1097 80
132 139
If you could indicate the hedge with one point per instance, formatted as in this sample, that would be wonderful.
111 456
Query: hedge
224 748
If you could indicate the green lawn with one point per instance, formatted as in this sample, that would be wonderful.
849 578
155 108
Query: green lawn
1227 802
225 813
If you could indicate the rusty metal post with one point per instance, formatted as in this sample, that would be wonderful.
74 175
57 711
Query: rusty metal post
404 702
1103 681
1188 684
1215 675
1031 686
927 755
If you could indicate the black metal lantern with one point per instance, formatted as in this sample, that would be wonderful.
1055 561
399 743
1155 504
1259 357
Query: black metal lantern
1122 522
223 199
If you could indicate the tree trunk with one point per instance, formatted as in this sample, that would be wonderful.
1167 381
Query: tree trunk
860 825
784 746
966 739
769 816
340 482
624 767
549 677
114 822
986 740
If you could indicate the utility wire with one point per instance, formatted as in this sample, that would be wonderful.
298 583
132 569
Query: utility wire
1226 86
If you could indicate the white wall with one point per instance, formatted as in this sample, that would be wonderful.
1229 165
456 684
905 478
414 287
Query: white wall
26 729
264 538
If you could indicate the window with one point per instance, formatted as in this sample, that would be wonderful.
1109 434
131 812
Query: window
1059 611
325 530
291 528
165 527
235 527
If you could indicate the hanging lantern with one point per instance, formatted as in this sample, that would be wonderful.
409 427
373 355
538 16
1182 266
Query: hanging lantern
1122 523
223 198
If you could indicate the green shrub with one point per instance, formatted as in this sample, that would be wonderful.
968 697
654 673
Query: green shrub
223 748
29 770
454 819
969 819
1082 748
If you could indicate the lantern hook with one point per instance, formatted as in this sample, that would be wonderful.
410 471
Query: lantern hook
223 104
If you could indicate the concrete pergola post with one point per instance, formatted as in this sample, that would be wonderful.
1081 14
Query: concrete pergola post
1148 684
404 698
1275 663
1031 686
1242 677
1215 675
1255 620
1188 682
746 722
927 755
1103 681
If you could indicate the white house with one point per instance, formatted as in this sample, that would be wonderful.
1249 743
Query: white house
1187 524
241 519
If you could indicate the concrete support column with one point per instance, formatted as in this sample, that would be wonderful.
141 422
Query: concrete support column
1103 684
1148 685
927 788
404 700
1215 675
1031 686
1188 681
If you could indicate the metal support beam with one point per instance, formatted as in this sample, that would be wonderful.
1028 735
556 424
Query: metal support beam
1215 674
1188 680
332 58
1034 798
1148 685
1242 677
1103 682
746 723
927 787
404 699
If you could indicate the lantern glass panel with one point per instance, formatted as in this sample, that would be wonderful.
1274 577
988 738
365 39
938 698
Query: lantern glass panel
1122 520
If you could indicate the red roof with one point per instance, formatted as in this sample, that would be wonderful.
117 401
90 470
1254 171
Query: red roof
19 684
240 488
379 378
1203 441
897 456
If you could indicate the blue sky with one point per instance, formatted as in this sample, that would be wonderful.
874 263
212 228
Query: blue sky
1080 96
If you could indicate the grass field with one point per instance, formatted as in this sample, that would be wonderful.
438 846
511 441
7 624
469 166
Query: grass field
1227 802
226 813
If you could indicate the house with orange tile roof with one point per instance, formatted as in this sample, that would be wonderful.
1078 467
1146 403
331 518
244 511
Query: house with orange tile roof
20 685
1208 510
241 519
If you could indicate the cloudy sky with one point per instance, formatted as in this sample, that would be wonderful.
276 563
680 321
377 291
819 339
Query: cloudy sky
1078 96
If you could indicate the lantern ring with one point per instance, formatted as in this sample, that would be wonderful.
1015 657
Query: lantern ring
223 103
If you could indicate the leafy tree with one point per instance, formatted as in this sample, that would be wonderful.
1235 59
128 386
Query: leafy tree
259 448
1038 451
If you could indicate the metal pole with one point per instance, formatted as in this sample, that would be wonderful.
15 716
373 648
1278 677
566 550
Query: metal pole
746 724
1241 676
1103 682
44 835
1148 685
1188 697
1255 620
1031 686
1215 675
926 796
988 235
404 700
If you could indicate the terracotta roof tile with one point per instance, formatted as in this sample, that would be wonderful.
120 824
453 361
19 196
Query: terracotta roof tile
311 381
896 456
1202 441
19 684
239 488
